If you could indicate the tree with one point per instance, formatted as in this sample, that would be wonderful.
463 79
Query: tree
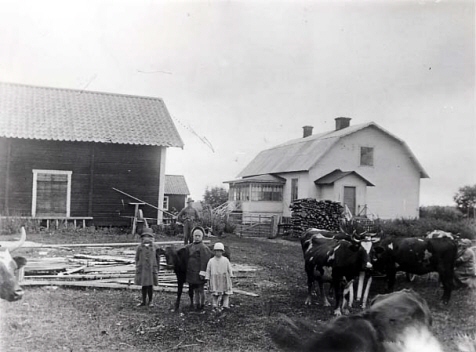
466 200
215 196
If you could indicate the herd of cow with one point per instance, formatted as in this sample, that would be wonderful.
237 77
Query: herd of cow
340 258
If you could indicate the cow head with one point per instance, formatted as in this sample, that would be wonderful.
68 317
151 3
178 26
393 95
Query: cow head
10 290
366 241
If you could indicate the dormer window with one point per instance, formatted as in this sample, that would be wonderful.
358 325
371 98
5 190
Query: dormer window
366 156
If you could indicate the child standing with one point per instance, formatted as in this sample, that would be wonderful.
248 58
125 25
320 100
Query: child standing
198 257
147 267
219 274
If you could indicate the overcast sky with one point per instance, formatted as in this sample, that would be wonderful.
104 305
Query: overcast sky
247 75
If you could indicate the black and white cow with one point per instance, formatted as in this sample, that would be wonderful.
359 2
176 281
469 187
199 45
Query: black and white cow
10 290
417 256
335 257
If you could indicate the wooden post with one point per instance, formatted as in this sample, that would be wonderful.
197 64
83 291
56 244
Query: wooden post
91 182
84 223
7 176
74 223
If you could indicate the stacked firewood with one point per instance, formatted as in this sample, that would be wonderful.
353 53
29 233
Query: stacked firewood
311 213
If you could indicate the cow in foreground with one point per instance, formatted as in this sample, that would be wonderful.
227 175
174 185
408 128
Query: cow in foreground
10 290
393 322
177 259
417 256
335 257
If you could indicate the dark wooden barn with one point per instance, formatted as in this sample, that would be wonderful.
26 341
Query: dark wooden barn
62 151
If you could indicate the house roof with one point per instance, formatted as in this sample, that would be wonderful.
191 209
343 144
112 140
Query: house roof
83 116
260 179
337 174
176 184
303 153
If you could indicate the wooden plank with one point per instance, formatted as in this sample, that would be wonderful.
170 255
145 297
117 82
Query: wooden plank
91 284
128 244
246 293
105 258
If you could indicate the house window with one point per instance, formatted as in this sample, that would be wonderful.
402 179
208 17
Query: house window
294 189
240 192
266 193
367 156
165 205
51 193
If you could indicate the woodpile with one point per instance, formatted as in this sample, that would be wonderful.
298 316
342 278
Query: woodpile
311 213
112 271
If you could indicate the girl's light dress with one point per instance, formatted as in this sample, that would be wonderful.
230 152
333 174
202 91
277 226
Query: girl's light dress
219 273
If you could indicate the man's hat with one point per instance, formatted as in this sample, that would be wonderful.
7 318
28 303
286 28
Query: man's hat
147 232
190 200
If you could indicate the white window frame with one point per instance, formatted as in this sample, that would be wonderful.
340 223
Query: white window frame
166 200
35 185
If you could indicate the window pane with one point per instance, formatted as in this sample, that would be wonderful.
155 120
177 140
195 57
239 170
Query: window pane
366 156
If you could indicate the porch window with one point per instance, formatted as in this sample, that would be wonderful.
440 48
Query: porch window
51 193
366 156
165 205
269 193
240 192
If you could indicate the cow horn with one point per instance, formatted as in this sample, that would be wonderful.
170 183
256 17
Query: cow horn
354 238
22 240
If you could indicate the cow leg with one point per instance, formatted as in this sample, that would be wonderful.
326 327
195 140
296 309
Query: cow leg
360 286
336 284
325 301
310 280
180 283
391 274
366 293
446 279
191 289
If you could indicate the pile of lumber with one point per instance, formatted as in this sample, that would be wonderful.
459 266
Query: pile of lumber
311 213
103 271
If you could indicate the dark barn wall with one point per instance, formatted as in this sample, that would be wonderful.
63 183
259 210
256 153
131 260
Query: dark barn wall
177 201
132 169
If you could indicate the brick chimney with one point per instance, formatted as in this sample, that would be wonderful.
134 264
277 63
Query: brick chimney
342 122
307 131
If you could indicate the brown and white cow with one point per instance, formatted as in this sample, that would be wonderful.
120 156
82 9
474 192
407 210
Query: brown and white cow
393 323
10 290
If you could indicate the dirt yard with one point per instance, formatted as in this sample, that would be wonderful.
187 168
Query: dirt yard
67 319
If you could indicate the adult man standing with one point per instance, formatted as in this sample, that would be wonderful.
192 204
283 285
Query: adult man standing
188 216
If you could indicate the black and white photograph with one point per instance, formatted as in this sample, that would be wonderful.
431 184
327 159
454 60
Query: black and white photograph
219 176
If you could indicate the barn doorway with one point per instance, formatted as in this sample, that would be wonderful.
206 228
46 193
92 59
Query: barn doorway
51 193
350 198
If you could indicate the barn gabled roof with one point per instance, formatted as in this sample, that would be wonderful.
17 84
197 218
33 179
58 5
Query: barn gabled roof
59 114
176 184
336 175
304 153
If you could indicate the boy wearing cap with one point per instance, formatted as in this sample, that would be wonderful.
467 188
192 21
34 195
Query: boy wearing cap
147 267
198 256
219 274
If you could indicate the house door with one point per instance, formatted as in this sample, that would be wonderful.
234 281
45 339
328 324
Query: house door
51 193
349 198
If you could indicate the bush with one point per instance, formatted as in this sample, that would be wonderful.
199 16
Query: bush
10 226
420 227
446 213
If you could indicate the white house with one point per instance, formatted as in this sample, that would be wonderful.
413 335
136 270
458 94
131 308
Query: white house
364 167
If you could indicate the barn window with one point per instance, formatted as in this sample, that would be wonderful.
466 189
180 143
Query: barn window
165 205
294 189
367 156
51 193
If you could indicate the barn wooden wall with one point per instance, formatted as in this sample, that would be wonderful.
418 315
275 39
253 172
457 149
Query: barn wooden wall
96 168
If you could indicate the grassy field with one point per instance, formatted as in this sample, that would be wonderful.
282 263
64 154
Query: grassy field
65 319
